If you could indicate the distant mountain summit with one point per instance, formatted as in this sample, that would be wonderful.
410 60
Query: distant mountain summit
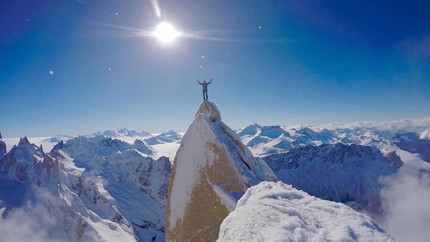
2 148
166 137
266 140
121 132
211 166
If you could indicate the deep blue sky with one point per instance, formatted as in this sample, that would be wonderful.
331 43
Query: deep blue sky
273 62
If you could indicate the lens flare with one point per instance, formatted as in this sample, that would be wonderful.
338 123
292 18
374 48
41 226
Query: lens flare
156 7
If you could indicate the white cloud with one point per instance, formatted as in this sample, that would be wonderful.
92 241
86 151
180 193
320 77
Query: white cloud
405 199
51 72
20 225
32 222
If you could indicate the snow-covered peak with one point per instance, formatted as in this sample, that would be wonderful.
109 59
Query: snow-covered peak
86 147
324 135
411 125
210 110
278 212
211 166
425 134
114 177
23 141
250 130
122 132
263 140
27 162
37 186
168 137
273 131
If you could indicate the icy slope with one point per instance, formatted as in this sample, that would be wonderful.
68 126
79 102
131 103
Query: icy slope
277 212
210 167
340 173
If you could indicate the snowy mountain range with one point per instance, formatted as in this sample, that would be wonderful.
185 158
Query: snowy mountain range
113 184
264 140
337 172
94 188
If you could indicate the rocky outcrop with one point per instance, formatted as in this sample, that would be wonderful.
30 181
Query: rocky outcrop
210 167
2 148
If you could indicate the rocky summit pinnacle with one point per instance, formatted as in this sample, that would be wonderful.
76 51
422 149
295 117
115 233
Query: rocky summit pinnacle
23 141
212 168
210 110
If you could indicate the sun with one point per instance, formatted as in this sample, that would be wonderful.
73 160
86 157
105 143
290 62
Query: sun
165 32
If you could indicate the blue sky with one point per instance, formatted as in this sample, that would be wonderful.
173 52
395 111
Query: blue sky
272 62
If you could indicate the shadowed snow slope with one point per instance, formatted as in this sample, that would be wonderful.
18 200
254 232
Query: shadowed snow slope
277 212
340 173
211 166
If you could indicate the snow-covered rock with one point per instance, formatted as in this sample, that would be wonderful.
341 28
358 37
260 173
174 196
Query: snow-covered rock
425 134
86 146
27 162
211 166
250 130
414 143
277 212
109 171
341 173
36 186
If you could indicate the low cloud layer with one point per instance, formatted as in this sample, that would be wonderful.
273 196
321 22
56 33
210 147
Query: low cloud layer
32 222
405 202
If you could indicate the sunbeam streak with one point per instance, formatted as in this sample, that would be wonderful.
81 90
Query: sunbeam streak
156 7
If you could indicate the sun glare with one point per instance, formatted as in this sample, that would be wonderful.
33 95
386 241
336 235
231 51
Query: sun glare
165 32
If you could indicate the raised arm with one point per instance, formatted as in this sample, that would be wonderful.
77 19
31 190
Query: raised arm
210 81
199 82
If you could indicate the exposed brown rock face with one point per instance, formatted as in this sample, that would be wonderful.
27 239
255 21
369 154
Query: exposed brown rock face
211 164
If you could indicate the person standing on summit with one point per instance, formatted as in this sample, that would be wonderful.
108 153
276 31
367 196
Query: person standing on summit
205 88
